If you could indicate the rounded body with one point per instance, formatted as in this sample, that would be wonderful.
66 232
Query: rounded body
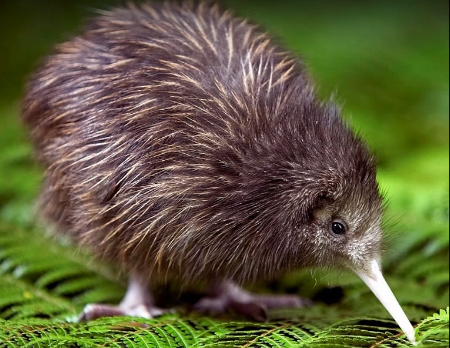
179 141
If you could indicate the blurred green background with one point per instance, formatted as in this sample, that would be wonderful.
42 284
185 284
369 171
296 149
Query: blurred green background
386 62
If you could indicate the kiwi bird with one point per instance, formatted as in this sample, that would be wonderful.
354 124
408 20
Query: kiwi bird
181 142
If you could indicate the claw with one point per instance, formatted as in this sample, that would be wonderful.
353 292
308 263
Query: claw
136 303
227 296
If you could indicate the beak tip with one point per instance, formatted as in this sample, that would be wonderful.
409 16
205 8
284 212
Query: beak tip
412 338
373 277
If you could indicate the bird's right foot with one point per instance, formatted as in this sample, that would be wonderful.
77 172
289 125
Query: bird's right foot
137 302
97 310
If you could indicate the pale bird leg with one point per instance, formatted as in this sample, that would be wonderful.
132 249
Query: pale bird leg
137 302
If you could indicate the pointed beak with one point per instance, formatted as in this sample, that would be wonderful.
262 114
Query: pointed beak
375 281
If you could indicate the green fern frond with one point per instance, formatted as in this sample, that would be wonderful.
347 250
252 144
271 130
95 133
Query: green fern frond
40 278
435 329
172 331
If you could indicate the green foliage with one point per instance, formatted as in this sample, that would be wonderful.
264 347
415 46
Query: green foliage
390 62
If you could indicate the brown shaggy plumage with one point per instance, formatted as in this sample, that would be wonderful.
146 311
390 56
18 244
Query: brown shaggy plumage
179 141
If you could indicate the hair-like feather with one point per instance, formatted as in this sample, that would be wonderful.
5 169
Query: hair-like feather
182 142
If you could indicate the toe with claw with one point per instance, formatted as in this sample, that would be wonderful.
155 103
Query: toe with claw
227 296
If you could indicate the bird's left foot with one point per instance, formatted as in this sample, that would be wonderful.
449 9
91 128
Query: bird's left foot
227 296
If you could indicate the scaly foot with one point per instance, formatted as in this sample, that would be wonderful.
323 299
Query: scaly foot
137 303
226 296
98 310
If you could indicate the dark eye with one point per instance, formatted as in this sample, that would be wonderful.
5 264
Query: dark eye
338 227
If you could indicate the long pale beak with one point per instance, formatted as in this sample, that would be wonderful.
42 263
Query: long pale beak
375 281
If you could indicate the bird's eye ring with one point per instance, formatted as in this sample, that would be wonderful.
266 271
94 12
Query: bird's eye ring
337 227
